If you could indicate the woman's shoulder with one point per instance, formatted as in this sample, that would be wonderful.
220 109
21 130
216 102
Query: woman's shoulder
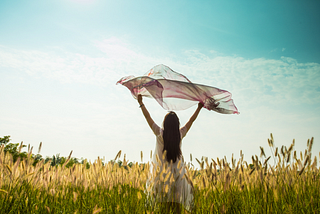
156 129
183 131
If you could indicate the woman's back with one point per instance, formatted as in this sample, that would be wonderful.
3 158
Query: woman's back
168 181
159 148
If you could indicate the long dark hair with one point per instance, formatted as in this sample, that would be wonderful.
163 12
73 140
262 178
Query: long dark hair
171 137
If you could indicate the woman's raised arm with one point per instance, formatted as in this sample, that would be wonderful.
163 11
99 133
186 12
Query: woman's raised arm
193 117
145 111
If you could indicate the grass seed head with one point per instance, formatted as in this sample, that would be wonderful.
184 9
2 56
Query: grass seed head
198 161
223 209
288 157
305 153
141 154
301 171
75 196
179 164
310 145
48 209
40 147
3 191
21 146
204 182
265 162
291 147
139 195
262 154
118 155
282 151
96 210
252 170
271 137
164 155
306 160
214 163
201 165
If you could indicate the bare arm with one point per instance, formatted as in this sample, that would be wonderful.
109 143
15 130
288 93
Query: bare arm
193 117
145 111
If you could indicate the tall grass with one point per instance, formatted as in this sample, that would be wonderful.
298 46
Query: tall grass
291 184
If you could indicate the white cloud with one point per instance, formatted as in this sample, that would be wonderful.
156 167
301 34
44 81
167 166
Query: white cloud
251 80
285 80
272 96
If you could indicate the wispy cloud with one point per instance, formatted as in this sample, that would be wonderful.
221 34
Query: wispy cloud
272 95
266 80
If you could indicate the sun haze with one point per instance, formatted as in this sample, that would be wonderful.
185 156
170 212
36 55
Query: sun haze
60 60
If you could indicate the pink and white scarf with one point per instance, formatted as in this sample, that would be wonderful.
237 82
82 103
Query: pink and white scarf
174 91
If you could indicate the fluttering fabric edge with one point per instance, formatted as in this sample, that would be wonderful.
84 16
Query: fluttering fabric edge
174 91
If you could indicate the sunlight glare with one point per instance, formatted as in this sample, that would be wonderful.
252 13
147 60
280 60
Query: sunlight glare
83 1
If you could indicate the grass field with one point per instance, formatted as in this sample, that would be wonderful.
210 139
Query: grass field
290 184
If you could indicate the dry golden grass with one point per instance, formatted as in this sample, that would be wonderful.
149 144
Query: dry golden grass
291 183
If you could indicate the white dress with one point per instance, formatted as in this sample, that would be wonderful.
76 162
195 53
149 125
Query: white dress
169 182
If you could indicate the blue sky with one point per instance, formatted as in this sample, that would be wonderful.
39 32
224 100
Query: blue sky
60 60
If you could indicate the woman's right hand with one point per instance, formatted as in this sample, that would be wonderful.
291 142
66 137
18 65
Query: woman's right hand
139 99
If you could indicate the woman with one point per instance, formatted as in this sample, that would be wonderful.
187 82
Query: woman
169 182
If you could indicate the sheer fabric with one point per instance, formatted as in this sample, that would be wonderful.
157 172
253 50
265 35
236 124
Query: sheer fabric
174 91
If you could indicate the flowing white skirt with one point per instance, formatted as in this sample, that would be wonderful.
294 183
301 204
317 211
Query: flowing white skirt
170 184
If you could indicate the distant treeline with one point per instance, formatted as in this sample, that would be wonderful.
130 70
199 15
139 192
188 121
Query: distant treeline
15 149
